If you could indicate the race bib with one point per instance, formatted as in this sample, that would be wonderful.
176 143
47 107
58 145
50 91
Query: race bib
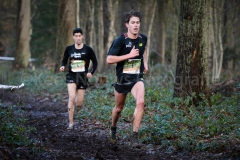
78 66
132 66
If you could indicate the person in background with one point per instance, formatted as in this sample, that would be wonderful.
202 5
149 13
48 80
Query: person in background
79 56
128 51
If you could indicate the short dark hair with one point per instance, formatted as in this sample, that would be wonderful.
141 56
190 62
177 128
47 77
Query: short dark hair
77 30
131 13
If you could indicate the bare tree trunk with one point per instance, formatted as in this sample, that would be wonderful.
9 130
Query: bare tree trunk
162 31
151 27
146 8
217 39
92 32
92 25
100 38
213 48
191 71
112 10
85 19
173 9
228 35
236 24
220 57
211 44
66 24
174 47
22 53
77 13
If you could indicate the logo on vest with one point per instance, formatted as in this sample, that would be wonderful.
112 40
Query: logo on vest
129 45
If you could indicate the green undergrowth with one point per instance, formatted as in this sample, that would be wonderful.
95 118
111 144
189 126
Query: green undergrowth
194 128
38 81
14 132
172 123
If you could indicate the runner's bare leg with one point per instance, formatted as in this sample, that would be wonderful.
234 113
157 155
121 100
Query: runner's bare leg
119 104
72 95
79 98
138 93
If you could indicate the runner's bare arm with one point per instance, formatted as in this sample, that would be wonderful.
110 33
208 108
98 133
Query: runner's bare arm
115 59
145 61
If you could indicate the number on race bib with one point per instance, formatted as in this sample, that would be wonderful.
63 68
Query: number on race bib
78 66
132 66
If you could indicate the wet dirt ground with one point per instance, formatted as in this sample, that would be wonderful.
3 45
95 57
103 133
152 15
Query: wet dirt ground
87 141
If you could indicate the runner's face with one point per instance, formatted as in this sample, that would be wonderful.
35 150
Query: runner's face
78 37
133 25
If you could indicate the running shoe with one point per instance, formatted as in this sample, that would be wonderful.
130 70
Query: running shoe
135 143
112 138
70 127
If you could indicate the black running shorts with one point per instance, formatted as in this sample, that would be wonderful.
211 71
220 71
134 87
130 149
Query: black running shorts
80 79
125 88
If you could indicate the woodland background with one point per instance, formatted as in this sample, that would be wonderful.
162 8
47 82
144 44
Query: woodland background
47 29
192 87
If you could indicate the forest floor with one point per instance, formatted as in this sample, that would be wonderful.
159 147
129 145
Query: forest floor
87 141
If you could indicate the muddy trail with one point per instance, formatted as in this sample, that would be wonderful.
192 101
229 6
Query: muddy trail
87 141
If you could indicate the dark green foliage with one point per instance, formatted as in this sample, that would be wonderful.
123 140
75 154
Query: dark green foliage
193 128
238 93
12 129
40 81
173 123
97 106
44 25
13 133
